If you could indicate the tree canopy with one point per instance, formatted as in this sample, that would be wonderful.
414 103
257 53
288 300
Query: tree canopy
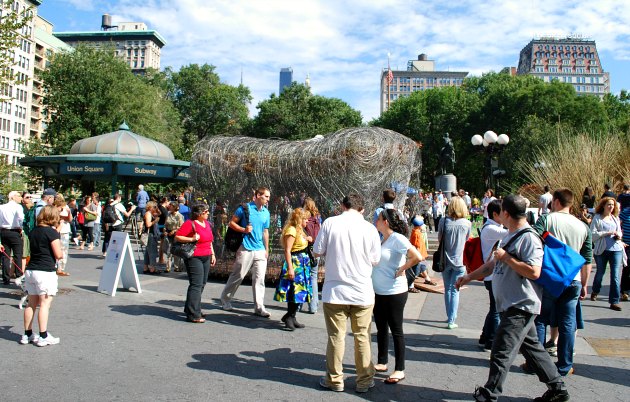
207 106
89 92
296 114
524 107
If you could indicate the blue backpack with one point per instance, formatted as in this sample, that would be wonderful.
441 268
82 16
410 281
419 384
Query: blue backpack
560 263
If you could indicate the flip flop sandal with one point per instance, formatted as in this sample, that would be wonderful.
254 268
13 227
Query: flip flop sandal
430 283
393 381
381 370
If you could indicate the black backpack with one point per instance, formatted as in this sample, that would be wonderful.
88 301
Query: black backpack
109 214
234 239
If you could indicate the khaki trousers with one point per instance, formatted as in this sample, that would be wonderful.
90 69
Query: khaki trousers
246 260
336 317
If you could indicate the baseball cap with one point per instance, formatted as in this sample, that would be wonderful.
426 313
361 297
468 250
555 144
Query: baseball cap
49 191
417 221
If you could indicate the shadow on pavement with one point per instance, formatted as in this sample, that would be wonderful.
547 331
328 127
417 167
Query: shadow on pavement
614 322
141 309
7 334
605 374
287 367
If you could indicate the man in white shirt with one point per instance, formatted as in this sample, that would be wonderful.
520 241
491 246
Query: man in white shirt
11 219
352 247
491 233
544 201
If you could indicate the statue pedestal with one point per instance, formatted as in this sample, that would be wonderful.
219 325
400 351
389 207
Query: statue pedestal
446 183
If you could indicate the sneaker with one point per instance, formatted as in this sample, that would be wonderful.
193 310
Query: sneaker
452 325
324 384
49 340
262 313
227 306
25 340
363 389
481 394
554 395
551 348
76 241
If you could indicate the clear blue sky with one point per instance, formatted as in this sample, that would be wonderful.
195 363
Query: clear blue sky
343 45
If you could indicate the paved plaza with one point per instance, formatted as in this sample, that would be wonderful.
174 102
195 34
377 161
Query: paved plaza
137 347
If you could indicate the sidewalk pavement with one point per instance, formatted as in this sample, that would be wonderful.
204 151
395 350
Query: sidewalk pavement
138 347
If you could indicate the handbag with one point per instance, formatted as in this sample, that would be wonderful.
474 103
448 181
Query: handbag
184 250
89 216
144 239
439 263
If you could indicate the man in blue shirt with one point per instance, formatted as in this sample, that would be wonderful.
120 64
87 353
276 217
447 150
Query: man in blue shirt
141 200
183 208
253 253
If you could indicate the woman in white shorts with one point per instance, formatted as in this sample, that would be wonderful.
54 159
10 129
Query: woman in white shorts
41 276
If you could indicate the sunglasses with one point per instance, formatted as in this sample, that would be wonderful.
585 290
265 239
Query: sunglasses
27 196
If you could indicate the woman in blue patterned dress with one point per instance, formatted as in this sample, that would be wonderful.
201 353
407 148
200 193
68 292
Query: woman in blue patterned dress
294 286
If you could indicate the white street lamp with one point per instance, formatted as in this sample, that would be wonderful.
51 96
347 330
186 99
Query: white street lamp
490 136
476 140
492 145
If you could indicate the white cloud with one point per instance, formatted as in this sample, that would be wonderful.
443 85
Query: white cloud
85 5
344 45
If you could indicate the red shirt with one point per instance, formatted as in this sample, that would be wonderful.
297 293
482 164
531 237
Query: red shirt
204 244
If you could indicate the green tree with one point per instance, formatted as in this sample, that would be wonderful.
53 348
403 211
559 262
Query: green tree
12 25
297 114
89 92
529 110
206 105
425 116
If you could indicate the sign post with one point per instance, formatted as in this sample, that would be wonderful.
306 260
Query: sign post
120 265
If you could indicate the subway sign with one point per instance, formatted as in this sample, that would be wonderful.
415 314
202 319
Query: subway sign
95 169
145 170
184 175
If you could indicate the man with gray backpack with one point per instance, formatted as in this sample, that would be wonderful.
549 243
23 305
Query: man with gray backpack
515 266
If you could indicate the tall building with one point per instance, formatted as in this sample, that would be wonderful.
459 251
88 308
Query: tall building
46 45
15 97
420 75
138 46
286 78
573 60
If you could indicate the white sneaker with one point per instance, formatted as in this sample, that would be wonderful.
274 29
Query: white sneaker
76 241
25 340
49 340
263 313
227 306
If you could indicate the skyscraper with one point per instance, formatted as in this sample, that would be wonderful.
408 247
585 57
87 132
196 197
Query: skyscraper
286 78
572 59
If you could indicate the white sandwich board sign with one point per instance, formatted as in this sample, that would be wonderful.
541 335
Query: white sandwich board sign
120 266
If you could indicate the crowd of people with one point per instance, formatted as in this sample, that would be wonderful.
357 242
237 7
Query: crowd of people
371 267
